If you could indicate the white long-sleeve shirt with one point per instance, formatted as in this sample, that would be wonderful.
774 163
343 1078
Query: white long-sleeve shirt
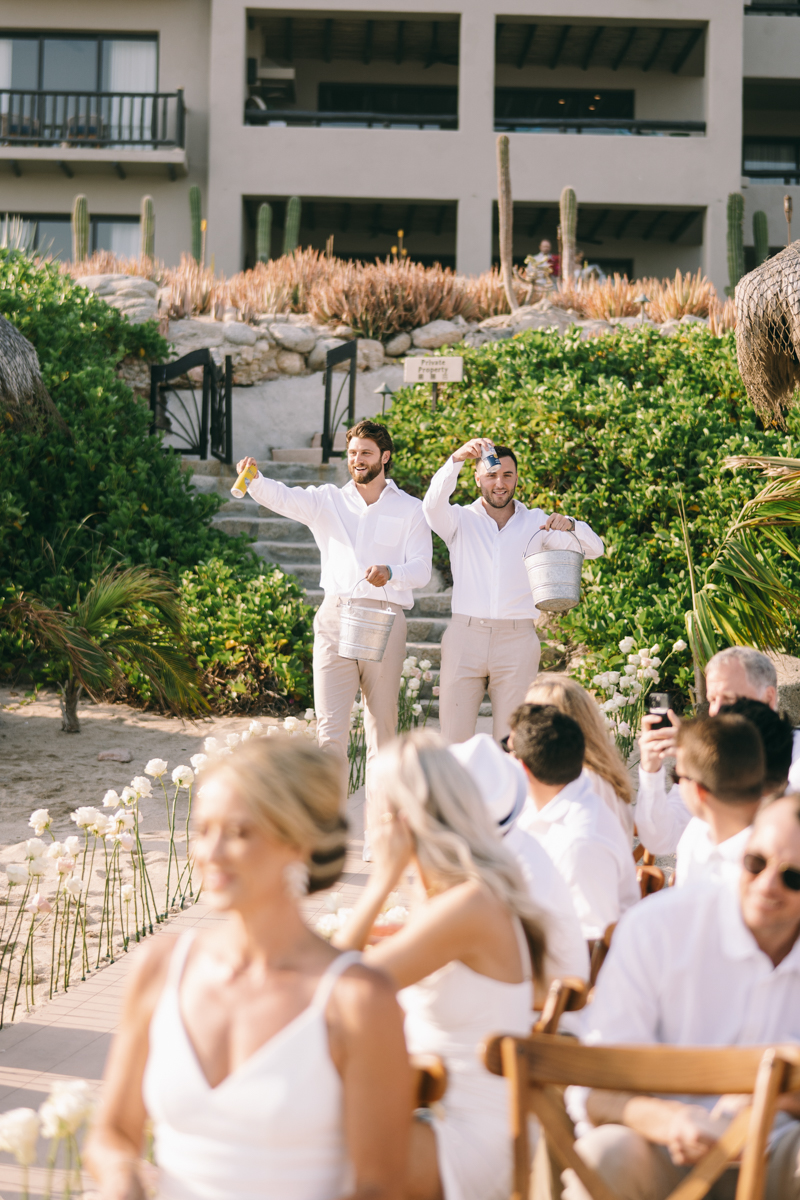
353 535
489 576
699 858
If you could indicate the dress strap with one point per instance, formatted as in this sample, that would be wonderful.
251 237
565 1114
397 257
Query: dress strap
337 968
179 955
524 950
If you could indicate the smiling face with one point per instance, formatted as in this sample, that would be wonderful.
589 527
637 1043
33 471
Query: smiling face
768 906
728 682
365 461
241 865
497 488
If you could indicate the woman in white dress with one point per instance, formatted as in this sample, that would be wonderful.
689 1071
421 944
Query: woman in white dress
272 1066
603 764
464 961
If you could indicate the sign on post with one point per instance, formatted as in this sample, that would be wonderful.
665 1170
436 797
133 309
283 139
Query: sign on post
433 370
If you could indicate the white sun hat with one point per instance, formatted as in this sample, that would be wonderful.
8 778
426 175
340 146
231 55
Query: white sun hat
500 778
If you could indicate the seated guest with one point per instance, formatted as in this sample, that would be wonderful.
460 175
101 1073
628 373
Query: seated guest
711 965
720 770
603 764
739 672
465 960
503 788
271 1064
579 832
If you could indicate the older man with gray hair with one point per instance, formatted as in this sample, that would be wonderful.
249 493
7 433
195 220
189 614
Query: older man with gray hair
737 673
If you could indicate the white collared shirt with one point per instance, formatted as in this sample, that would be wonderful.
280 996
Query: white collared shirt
794 770
700 858
588 846
489 576
353 535
684 970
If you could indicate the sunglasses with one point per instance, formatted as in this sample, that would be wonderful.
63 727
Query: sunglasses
754 864
674 778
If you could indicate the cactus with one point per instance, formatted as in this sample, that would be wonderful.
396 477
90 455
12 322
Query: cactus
147 228
264 233
80 229
568 206
195 216
735 240
760 237
505 212
291 228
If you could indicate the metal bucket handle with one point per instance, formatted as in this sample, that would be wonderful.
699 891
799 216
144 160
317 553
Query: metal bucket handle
348 602
539 532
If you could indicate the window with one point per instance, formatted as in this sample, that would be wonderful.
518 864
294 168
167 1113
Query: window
771 161
563 102
89 62
53 234
394 99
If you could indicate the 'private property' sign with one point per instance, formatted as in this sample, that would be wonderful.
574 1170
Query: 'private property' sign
433 370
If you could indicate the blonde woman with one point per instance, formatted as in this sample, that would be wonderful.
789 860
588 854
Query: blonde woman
465 961
602 764
270 1064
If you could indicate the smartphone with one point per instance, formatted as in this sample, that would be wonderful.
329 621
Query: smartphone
658 703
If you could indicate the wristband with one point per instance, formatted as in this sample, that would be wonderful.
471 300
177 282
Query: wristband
389 569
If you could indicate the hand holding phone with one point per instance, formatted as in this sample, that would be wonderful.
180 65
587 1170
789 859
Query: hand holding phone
659 704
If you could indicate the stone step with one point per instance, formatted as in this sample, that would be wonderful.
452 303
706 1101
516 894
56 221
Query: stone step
425 629
432 604
284 553
271 529
301 474
425 651
307 573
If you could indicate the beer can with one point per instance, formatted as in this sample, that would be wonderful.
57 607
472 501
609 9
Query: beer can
239 489
489 456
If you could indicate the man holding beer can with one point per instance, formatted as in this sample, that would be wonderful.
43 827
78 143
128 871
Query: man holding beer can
491 642
375 547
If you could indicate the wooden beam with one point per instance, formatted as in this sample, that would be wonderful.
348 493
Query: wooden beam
651 228
596 227
401 29
626 45
288 40
173 174
15 168
590 49
433 52
327 40
346 215
376 220
118 167
310 214
656 50
686 221
67 169
562 38
411 212
440 217
367 56
526 45
625 222
533 228
686 50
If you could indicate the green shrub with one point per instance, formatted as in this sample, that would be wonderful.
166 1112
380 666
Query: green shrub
605 430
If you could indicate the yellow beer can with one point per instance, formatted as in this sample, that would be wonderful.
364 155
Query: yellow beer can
239 489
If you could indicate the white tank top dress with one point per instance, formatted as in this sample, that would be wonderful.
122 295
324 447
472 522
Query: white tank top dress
272 1130
451 1013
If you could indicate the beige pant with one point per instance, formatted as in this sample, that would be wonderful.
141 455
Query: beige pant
501 657
337 680
635 1169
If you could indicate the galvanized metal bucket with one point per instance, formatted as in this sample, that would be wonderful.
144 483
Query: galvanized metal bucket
364 632
554 576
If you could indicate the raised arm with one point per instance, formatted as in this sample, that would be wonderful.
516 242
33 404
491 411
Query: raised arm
440 514
661 815
301 504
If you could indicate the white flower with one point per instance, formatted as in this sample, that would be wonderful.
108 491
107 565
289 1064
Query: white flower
102 825
597 680
223 751
66 1108
111 799
122 819
609 706
256 729
309 715
631 699
142 786
16 873
198 761
627 644
655 662
232 740
679 646
65 865
428 676
291 724
128 795
55 850
74 885
126 892
40 820
35 847
38 866
435 691
629 670
156 767
413 685
211 745
652 673
183 776
19 1133
624 729
416 709
613 676
38 904
126 840
625 683
425 664
654 649
72 845
246 735
635 659
604 680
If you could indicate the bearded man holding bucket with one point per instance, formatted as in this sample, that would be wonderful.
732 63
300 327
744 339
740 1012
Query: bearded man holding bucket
375 548
491 642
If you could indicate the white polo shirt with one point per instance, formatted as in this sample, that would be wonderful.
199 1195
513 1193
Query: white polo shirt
353 535
586 842
699 858
489 576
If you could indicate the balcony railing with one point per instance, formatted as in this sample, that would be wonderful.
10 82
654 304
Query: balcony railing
771 160
350 120
612 125
147 120
780 8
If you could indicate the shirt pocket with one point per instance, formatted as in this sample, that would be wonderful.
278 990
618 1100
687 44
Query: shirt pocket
388 530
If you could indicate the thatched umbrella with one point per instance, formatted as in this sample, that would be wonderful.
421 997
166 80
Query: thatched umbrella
24 400
768 333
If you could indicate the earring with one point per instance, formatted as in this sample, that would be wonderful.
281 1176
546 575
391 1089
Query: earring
295 876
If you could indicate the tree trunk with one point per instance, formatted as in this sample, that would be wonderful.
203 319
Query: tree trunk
505 212
70 695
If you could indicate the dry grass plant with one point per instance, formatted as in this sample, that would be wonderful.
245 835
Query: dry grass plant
105 262
671 299
721 317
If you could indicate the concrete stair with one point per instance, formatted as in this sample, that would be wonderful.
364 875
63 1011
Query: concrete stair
290 546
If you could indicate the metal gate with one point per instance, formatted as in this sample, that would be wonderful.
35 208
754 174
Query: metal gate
333 409
195 423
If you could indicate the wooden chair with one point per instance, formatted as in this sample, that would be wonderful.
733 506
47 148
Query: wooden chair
597 953
565 995
538 1066
430 1079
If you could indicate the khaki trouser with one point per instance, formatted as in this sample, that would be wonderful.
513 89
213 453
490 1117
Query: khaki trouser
479 655
337 680
635 1169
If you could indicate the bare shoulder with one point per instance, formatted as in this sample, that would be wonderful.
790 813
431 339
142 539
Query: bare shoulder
362 994
148 973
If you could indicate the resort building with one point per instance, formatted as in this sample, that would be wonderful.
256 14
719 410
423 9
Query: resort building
382 120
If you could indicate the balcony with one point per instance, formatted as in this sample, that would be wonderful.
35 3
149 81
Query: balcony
771 160
72 129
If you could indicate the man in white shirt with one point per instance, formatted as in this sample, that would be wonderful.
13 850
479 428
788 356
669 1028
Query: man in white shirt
736 673
491 643
577 829
712 965
501 782
372 538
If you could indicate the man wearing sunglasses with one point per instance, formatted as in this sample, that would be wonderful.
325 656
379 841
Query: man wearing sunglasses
707 965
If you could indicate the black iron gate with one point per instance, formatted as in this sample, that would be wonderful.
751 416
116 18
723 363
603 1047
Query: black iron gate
195 422
333 411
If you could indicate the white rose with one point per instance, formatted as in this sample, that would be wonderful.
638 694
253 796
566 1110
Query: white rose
635 659
679 646
38 866
102 825
627 644
428 676
198 761
652 673
128 795
211 745
74 886
435 691
111 799
183 776
232 740
310 715
126 891
625 682
19 1133
413 685
72 845
425 664
39 821
256 728
609 706
122 819
65 865
55 850
631 699
127 841
597 680
66 1108
16 873
624 729
290 724
156 767
654 649
416 709
246 735
142 786
35 847
38 904
655 662
629 670
84 817
613 676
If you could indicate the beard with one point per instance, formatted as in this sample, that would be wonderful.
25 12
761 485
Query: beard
487 496
365 474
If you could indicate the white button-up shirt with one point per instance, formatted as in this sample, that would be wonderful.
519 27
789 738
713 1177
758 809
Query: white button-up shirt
699 857
489 576
353 535
588 846
684 970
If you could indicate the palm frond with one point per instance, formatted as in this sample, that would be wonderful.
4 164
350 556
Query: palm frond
118 592
55 633
165 665
769 464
